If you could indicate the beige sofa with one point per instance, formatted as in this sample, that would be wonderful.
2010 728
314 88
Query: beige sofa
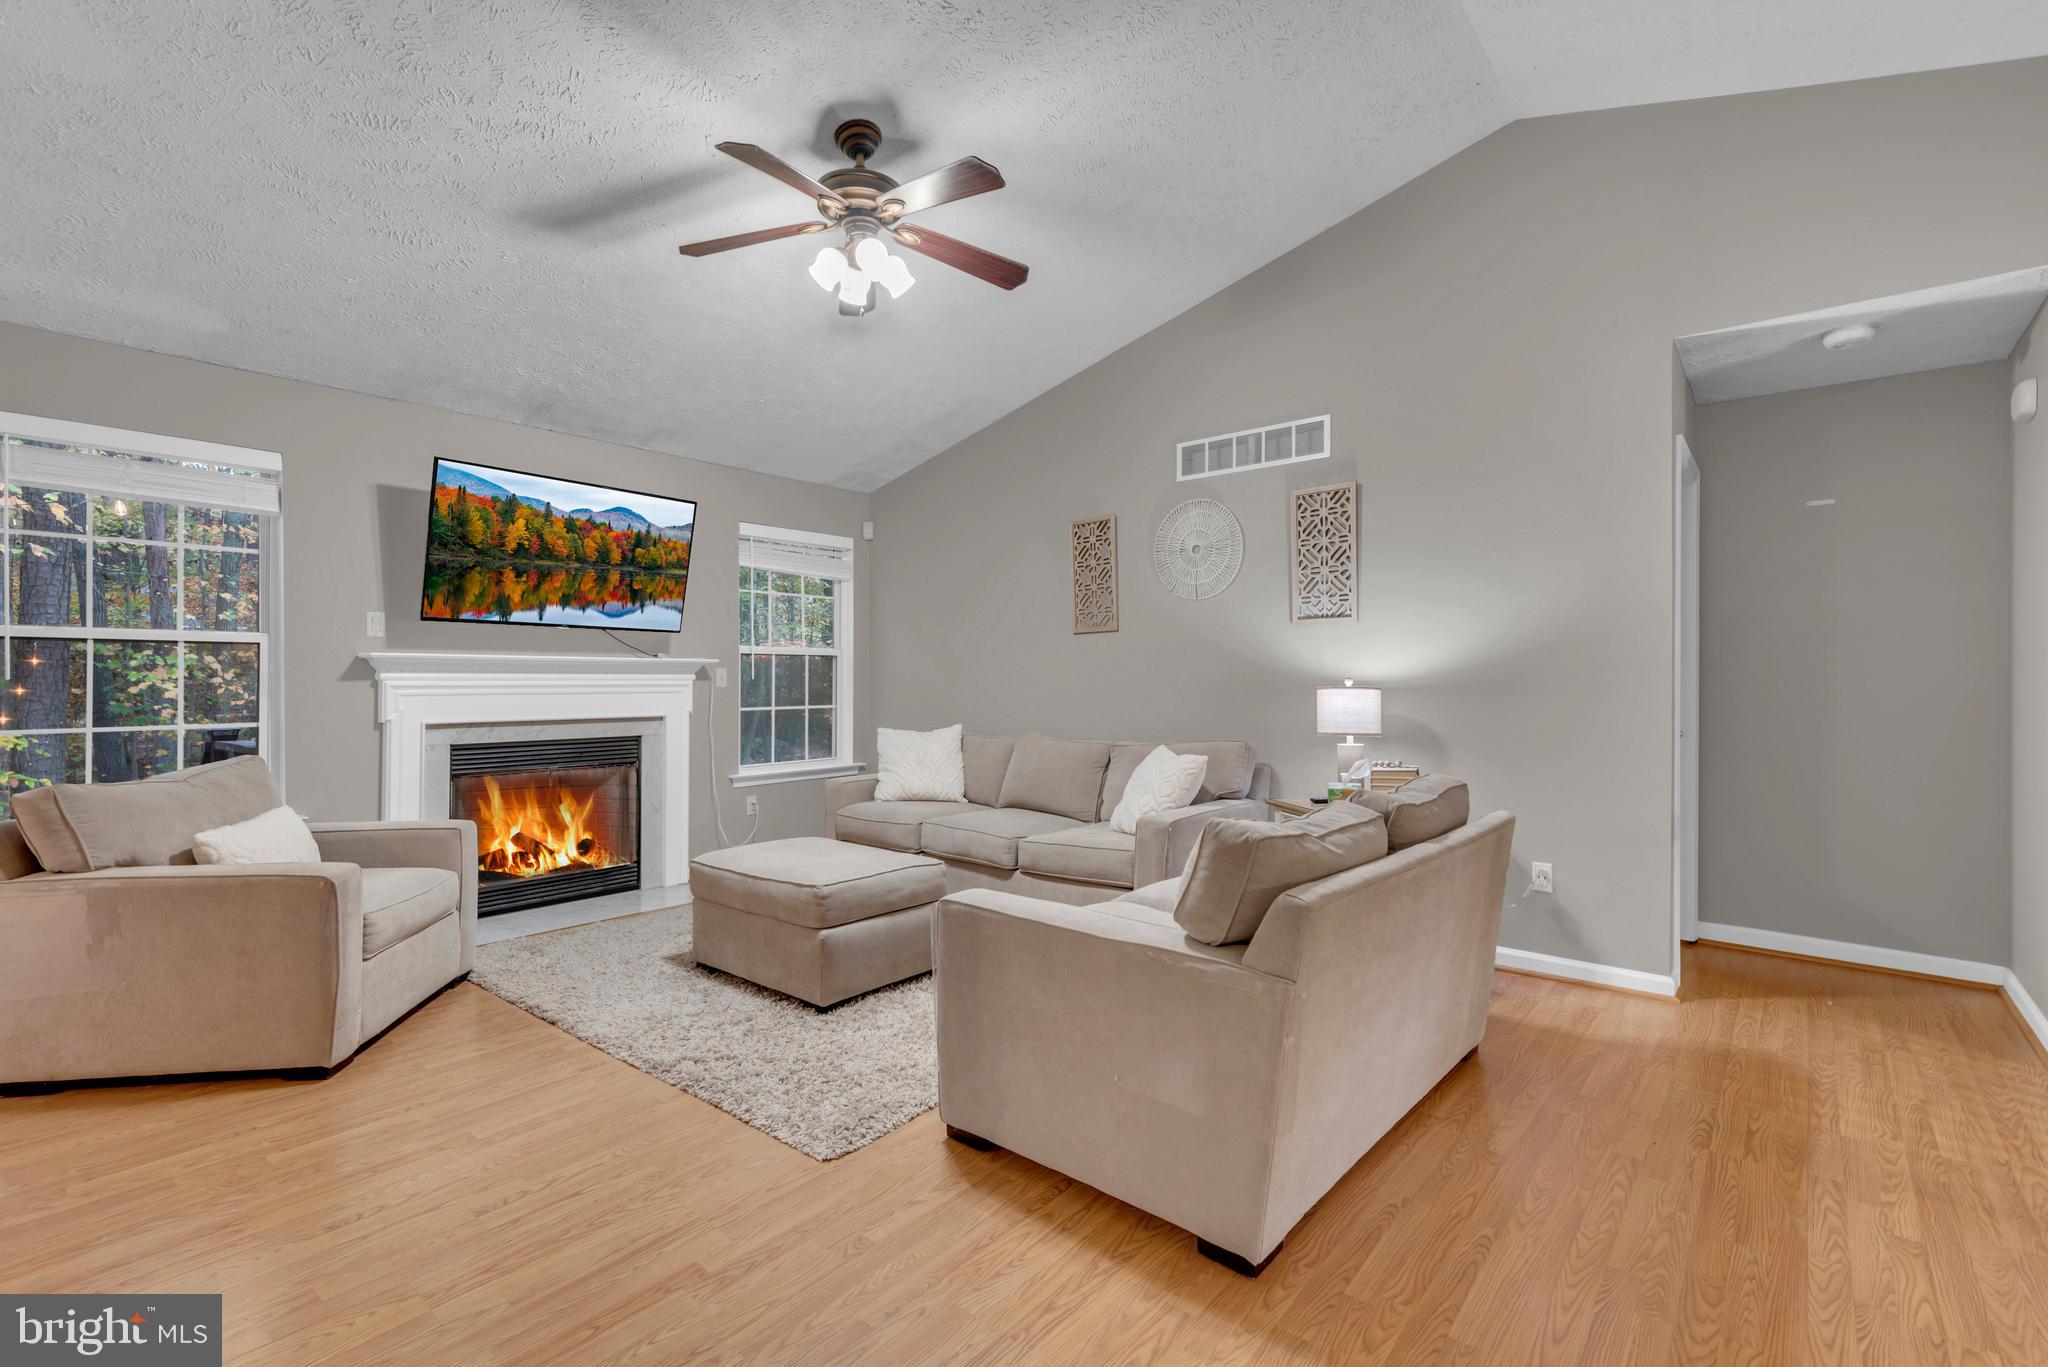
146 970
1036 818
1223 1087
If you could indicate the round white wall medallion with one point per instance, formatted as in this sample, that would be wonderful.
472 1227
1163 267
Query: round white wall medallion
1198 549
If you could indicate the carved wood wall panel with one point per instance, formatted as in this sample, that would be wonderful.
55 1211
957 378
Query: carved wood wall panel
1095 575
1323 557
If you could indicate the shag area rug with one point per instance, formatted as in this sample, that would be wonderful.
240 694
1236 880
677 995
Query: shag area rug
823 1082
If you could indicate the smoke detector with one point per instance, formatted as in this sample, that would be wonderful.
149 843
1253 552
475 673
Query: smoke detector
1844 338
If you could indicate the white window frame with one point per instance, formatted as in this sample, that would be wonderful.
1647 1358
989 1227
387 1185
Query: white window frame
258 490
1257 436
844 639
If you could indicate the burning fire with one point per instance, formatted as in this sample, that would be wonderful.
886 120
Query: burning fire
542 829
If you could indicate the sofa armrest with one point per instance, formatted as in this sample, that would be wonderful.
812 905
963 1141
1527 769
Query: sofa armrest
136 972
449 845
1166 839
1112 1048
841 793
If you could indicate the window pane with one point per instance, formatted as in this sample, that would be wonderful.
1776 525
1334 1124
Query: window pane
134 586
814 586
213 746
789 680
823 667
761 632
220 682
113 515
746 619
818 622
821 733
824 589
746 578
219 527
118 756
754 680
784 582
134 683
788 621
45 510
789 735
220 591
47 687
38 761
754 737
47 581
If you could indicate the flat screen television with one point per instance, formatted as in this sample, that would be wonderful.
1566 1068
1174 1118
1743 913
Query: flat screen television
506 546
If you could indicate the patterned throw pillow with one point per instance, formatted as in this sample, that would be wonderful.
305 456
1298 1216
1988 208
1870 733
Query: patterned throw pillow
1161 782
920 766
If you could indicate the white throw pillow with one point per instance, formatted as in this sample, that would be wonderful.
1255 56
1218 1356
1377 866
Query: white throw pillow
920 766
1161 782
279 836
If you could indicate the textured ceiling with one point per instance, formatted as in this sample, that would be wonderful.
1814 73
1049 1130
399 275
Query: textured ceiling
475 203
1959 324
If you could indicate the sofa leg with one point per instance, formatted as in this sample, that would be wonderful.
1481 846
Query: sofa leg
1236 1262
972 1141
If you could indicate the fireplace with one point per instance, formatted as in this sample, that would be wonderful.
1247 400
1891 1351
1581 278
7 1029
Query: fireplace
556 819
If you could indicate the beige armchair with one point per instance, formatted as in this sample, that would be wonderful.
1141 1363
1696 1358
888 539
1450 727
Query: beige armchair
1223 1087
154 970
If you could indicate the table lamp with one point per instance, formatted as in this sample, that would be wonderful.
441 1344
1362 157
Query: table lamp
1348 712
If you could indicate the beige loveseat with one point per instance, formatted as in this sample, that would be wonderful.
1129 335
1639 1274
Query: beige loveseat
1224 1087
148 964
1036 818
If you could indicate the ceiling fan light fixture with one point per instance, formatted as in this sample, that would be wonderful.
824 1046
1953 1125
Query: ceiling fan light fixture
885 270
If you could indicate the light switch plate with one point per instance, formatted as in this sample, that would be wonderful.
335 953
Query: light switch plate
374 626
718 677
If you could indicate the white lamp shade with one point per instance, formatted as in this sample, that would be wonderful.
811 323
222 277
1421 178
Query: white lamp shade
1347 711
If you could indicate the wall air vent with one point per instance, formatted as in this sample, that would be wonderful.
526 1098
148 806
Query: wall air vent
1281 444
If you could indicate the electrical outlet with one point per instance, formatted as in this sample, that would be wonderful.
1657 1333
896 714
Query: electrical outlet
718 677
753 805
1539 878
373 626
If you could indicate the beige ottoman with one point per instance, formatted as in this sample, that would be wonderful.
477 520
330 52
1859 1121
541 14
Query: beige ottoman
822 920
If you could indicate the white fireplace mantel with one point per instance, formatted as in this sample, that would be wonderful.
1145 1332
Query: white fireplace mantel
421 689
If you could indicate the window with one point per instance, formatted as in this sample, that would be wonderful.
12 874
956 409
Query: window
796 629
133 620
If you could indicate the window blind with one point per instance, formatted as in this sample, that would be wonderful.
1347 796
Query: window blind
771 548
139 466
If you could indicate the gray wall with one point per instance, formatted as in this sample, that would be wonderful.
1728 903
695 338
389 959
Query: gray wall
2030 675
1494 342
356 473
1856 676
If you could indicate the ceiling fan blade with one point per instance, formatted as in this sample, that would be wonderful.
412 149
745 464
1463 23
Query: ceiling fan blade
726 244
999 271
763 160
967 176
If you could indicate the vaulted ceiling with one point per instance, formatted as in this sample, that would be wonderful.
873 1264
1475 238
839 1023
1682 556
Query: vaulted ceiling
475 203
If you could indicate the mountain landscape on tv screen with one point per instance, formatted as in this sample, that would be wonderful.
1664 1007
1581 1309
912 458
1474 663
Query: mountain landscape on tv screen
495 555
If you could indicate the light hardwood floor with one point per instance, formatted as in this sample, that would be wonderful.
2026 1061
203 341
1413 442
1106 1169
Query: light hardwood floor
1795 1163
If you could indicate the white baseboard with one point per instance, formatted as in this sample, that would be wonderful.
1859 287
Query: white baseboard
1578 970
1869 956
2016 993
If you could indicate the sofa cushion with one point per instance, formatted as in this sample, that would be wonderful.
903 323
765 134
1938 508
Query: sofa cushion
1229 773
78 827
1420 809
987 759
814 882
920 766
400 903
1240 867
1063 777
892 825
1160 896
988 835
1097 853
1164 781
278 836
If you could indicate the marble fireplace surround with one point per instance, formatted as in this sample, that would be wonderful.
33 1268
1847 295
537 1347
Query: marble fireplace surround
429 700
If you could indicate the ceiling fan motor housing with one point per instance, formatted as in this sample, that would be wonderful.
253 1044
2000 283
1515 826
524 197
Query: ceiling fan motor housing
858 139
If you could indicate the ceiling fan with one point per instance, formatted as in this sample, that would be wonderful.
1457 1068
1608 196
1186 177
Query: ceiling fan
871 206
